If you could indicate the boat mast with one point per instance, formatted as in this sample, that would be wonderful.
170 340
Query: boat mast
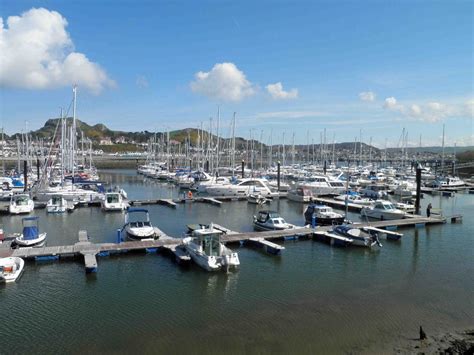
73 135
233 145
442 153
218 138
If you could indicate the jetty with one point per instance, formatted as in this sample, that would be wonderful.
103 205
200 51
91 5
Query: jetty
88 251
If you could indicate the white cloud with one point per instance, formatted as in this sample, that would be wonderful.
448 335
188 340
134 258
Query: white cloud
141 82
415 110
390 103
223 82
36 52
367 96
277 93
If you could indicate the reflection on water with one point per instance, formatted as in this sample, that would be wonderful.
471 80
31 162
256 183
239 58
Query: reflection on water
299 302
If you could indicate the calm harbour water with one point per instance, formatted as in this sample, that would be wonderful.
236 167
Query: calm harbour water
312 299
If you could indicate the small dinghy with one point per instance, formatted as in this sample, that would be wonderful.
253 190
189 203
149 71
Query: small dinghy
269 221
11 269
140 227
30 237
257 199
206 249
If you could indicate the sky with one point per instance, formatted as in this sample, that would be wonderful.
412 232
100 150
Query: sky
354 68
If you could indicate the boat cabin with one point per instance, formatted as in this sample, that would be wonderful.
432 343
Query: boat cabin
384 205
113 197
30 228
209 240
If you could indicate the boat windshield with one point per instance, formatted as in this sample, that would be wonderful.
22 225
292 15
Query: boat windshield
22 200
389 206
210 244
113 198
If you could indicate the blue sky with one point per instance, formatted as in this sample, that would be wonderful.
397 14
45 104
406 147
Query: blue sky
282 66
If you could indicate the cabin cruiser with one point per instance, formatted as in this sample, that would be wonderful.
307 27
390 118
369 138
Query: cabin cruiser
243 188
383 210
11 269
322 185
21 203
374 191
300 194
356 236
450 181
30 237
206 249
113 201
139 228
323 215
405 188
270 220
57 204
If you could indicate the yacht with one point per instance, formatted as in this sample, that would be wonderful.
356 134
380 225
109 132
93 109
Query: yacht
206 249
322 185
57 204
450 181
270 220
242 189
140 228
11 269
31 236
113 201
324 215
383 210
21 203
405 189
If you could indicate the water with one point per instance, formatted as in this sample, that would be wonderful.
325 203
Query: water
313 298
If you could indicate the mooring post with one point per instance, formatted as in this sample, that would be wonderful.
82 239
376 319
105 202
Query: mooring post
38 168
119 236
324 169
190 164
418 189
278 176
243 168
207 166
25 175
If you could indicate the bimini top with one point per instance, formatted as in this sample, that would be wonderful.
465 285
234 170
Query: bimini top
133 210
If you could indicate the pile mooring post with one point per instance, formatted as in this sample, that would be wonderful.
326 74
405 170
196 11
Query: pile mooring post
38 168
243 168
418 189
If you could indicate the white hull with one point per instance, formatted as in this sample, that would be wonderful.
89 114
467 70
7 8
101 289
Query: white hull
31 242
8 275
382 215
208 263
21 209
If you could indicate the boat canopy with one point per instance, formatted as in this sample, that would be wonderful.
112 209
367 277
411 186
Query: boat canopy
32 218
30 232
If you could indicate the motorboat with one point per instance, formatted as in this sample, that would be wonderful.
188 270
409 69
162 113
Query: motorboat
207 250
450 181
30 236
243 188
113 201
374 191
57 204
355 199
21 203
300 194
323 215
383 210
270 220
138 225
323 185
405 207
11 269
357 236
405 189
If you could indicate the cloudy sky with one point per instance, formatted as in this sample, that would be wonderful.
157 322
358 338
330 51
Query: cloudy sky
283 66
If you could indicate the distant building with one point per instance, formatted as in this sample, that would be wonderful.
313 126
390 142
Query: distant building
105 141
